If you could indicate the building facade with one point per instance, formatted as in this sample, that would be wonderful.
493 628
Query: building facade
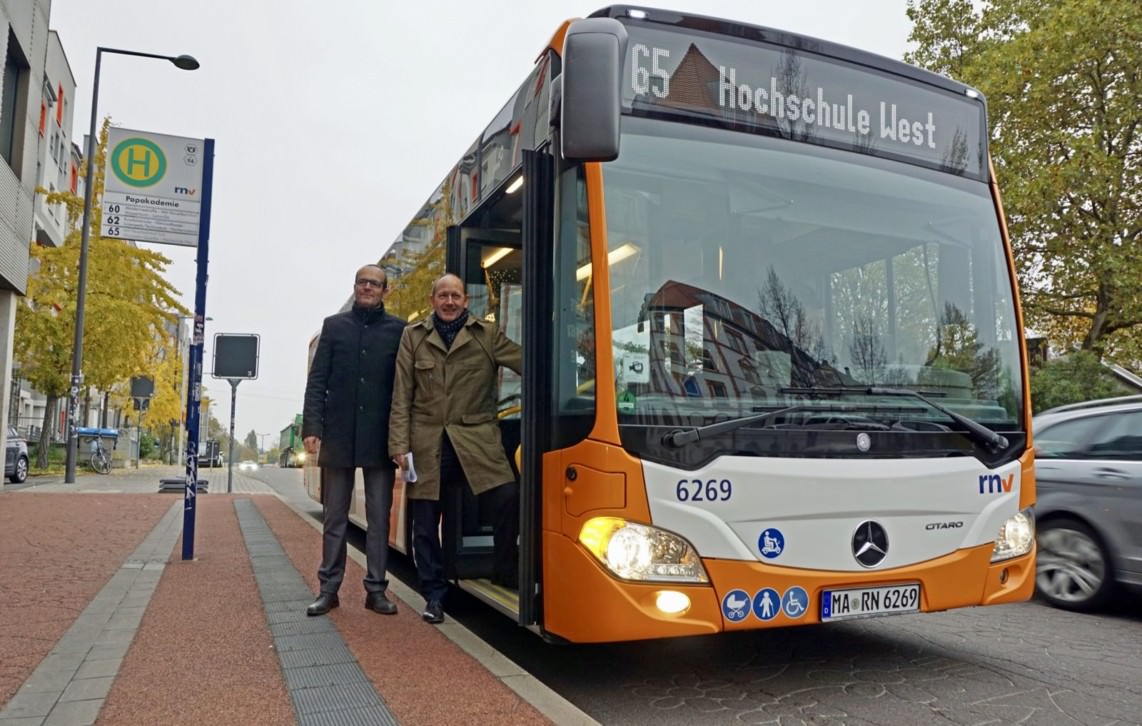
24 90
58 161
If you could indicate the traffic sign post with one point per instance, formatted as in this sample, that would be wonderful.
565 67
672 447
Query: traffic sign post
142 388
236 360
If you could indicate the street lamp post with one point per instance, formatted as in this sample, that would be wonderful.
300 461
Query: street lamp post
186 63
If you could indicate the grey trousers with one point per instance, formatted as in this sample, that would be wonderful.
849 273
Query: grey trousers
337 494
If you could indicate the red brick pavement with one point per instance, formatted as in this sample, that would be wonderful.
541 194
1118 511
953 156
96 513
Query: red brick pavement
203 653
57 551
423 677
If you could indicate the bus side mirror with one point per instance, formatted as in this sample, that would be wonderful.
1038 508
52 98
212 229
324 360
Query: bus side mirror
590 102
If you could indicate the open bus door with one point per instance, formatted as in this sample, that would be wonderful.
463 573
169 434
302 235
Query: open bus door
488 260
504 283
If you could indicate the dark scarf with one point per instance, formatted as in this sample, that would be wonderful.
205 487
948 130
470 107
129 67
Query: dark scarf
448 331
368 315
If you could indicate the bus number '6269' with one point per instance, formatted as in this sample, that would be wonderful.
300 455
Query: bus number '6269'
711 490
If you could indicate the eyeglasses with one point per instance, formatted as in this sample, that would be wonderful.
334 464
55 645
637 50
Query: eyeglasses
366 282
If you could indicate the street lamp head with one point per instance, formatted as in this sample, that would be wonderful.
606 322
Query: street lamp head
185 62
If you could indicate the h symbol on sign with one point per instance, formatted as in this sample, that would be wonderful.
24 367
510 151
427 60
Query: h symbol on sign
145 160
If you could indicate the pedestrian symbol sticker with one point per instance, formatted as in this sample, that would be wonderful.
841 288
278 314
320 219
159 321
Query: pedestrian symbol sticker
138 162
795 602
766 604
735 605
771 543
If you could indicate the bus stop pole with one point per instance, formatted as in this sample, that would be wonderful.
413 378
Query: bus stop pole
194 389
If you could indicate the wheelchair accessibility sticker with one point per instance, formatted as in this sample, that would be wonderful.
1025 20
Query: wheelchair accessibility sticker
771 543
795 602
735 605
766 604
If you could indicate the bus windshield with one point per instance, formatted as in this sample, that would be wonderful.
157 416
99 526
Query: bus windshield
751 274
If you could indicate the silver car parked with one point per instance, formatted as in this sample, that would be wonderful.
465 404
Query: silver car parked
1088 473
16 457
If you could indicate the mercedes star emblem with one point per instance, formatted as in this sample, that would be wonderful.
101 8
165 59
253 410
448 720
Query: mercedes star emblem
870 544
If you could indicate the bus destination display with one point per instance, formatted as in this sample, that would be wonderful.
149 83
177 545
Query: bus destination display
804 97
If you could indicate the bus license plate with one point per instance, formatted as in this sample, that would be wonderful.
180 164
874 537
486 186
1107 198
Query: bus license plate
868 601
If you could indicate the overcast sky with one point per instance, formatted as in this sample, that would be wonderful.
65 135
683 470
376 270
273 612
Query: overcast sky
333 121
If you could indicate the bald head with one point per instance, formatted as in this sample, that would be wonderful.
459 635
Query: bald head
451 277
449 298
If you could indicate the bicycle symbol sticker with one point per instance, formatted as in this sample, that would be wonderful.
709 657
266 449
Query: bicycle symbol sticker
795 602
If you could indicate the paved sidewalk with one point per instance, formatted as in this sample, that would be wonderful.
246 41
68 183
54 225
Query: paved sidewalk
143 480
101 622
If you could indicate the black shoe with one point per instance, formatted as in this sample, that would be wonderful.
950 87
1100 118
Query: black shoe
378 603
325 602
433 612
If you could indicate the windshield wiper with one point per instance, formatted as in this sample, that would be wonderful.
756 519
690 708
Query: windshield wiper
976 431
680 437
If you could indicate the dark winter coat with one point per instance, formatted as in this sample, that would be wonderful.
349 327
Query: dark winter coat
350 387
451 389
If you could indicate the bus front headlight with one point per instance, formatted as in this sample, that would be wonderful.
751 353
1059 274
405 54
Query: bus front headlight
1016 537
641 552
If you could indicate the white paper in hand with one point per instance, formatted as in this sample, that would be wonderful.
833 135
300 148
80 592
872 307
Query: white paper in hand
410 471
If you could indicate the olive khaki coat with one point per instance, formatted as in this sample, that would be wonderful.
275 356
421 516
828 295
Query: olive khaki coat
440 389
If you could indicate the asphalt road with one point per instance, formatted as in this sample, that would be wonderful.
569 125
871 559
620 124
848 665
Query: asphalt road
1011 664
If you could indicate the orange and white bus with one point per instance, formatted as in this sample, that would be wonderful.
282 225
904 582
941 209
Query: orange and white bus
774 372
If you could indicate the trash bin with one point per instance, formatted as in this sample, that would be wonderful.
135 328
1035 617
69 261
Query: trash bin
90 441
178 485
88 436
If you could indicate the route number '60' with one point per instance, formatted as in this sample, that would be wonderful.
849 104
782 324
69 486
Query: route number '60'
641 75
711 490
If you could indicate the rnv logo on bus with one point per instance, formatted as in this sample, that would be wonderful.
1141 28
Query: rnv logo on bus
994 484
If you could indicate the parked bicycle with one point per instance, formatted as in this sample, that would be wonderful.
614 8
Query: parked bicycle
100 457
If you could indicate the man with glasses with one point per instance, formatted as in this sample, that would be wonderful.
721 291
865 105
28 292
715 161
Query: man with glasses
345 421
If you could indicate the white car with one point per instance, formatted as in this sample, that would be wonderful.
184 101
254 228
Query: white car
247 465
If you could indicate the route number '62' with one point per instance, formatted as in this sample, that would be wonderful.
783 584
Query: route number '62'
647 73
711 490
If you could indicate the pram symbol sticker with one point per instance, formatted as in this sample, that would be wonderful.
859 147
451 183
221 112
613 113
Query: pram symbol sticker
735 605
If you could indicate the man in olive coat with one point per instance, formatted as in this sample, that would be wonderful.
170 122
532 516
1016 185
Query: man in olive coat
346 419
444 413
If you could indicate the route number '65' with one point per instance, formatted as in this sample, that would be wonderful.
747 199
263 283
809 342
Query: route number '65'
641 75
711 490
